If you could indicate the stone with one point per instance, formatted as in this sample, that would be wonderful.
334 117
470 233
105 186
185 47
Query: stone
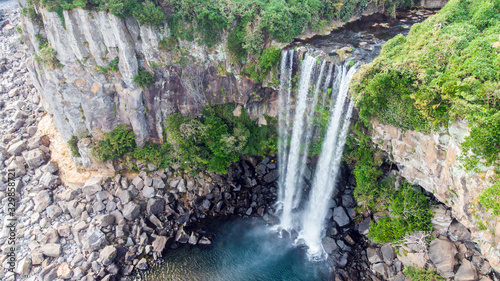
142 264
181 186
49 181
148 192
138 182
54 211
329 245
348 201
16 148
42 200
105 220
131 211
181 236
34 158
193 239
458 232
24 267
64 272
204 241
388 253
36 258
94 239
92 186
159 244
466 272
158 183
155 206
441 219
108 255
442 254
272 176
374 255
125 196
382 270
51 250
340 216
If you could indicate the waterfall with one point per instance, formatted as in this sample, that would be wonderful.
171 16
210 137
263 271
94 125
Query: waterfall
295 134
291 176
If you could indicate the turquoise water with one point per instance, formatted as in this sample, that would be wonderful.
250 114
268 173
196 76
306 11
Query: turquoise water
244 250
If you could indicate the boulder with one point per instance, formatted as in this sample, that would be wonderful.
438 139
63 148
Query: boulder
458 232
108 255
441 219
155 206
92 185
42 200
148 192
158 183
24 267
16 148
329 244
125 196
51 250
466 272
64 272
204 241
94 239
138 182
159 244
49 180
142 264
381 269
181 236
54 211
388 253
131 211
442 253
193 239
374 255
340 216
34 158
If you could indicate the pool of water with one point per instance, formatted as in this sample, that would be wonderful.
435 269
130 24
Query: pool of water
242 250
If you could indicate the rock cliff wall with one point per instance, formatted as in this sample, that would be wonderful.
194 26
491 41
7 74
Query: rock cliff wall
431 161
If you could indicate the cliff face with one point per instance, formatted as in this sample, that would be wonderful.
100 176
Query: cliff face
431 161
85 99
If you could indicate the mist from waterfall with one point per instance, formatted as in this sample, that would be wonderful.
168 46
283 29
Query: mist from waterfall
297 110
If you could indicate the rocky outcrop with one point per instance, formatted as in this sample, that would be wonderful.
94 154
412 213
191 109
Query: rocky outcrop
431 161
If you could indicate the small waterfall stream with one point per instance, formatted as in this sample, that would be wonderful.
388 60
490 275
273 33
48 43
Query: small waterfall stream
296 130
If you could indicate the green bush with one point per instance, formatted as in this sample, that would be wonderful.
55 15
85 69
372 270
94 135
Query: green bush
115 144
490 198
112 67
73 146
152 153
420 274
409 211
144 78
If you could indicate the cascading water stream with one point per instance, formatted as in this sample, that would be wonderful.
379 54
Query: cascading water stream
294 144
324 182
292 171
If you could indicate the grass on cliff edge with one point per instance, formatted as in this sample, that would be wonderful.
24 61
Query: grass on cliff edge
406 208
211 142
446 69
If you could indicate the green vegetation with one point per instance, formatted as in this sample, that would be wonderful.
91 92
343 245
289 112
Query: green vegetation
73 146
490 198
420 274
257 71
47 55
112 67
407 208
211 142
115 144
144 78
446 69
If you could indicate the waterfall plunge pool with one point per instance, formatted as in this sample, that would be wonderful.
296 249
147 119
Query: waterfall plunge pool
242 250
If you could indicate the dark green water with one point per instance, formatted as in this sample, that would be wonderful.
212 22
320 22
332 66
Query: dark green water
243 250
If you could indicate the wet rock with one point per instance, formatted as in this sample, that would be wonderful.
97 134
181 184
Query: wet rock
181 236
329 245
193 239
340 216
204 241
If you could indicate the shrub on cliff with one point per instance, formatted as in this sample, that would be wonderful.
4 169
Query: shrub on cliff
446 69
115 144
144 78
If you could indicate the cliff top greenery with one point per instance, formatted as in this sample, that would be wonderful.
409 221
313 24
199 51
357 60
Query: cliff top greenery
250 23
446 69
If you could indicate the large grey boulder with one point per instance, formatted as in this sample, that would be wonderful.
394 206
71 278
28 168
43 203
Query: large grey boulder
442 253
155 206
441 219
181 236
458 232
340 216
374 255
388 253
329 245
131 211
92 185
94 239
